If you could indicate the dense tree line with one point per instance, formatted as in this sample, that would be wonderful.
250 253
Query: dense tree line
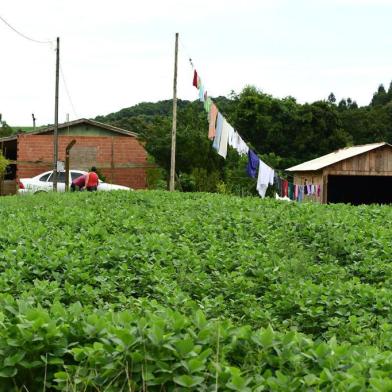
282 131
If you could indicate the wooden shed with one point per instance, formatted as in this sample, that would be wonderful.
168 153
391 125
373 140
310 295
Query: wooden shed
356 175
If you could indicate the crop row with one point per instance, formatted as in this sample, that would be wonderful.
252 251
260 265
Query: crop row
74 349
320 275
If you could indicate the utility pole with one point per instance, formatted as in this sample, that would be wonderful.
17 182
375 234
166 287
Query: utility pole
67 154
33 121
174 126
56 119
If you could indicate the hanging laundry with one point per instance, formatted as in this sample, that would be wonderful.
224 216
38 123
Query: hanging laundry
241 147
264 178
198 82
201 93
207 103
222 151
278 184
253 164
295 192
300 192
212 121
230 139
285 188
195 78
291 191
233 137
234 140
218 132
318 190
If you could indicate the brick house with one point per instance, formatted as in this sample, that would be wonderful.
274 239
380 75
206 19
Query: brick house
117 153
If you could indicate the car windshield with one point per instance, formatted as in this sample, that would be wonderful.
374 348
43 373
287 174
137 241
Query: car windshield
60 177
44 177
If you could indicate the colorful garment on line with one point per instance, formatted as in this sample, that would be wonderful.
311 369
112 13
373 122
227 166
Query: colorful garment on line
239 145
218 132
278 185
230 139
201 93
291 191
207 103
222 151
212 121
195 79
300 192
285 188
253 164
265 177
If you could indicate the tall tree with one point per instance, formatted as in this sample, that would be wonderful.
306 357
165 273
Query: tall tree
380 97
332 98
5 129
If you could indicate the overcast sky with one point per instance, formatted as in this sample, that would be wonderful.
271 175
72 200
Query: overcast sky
115 54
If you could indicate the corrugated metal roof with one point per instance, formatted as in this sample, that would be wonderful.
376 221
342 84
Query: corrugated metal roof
336 156
112 128
50 129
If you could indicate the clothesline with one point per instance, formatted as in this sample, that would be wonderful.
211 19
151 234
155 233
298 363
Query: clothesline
223 135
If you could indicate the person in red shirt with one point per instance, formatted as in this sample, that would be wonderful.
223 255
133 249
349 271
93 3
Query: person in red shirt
91 183
78 183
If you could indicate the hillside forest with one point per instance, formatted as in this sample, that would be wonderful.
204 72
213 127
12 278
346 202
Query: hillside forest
282 131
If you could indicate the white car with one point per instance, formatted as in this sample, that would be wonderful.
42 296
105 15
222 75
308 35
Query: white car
44 183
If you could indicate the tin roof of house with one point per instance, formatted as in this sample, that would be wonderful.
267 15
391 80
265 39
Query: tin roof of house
50 128
336 156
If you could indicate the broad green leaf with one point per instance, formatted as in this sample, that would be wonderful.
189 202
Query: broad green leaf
188 381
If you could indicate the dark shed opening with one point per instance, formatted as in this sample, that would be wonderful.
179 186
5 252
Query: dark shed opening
9 151
360 189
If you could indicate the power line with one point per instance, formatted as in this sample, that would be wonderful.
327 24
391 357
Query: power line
23 35
187 53
67 92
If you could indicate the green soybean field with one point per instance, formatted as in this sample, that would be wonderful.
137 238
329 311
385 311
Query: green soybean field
159 291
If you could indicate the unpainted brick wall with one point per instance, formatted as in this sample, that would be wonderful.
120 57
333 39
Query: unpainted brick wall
108 153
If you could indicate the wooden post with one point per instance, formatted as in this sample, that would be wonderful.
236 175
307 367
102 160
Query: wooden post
174 126
325 189
1 174
56 119
112 163
67 152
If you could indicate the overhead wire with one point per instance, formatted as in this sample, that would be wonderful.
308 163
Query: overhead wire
23 35
51 43
67 92
186 52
